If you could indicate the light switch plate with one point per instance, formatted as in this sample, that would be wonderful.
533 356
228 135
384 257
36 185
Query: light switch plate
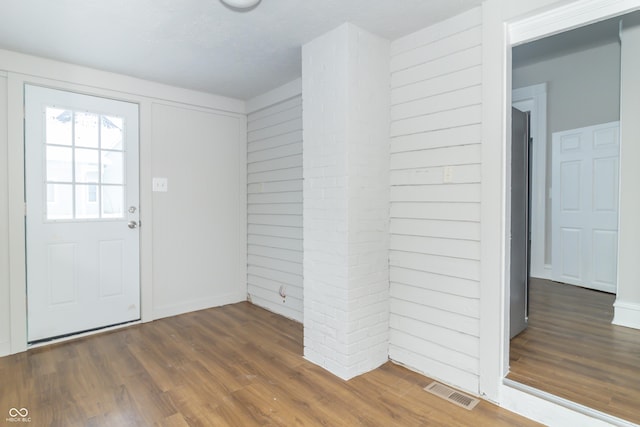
447 174
160 185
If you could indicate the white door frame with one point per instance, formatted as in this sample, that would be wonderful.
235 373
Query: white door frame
534 99
502 30
17 236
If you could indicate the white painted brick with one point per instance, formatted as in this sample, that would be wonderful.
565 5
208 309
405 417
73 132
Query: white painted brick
346 79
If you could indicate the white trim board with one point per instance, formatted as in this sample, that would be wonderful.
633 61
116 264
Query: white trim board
534 99
568 17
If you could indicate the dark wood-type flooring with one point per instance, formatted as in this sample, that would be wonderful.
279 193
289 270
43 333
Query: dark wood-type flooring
237 365
572 350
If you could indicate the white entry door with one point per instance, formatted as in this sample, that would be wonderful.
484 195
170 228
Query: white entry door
81 177
585 206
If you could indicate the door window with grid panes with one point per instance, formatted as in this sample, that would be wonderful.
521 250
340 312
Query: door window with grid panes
84 154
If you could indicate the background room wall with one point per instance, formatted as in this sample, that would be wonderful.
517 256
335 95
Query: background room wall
583 89
193 237
274 200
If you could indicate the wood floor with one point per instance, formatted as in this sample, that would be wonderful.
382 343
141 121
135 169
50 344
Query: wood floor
572 350
237 365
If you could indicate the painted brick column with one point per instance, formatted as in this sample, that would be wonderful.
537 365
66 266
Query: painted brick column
345 91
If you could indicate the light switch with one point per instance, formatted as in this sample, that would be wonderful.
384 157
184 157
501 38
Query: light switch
160 185
447 174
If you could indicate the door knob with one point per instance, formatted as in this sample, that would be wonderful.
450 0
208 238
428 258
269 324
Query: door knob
132 224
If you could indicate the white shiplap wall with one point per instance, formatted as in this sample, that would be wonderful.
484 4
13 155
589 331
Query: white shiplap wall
274 188
435 199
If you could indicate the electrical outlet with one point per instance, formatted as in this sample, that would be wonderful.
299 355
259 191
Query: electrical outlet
160 185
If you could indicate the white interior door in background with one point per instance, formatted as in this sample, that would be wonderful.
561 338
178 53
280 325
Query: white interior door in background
81 177
585 206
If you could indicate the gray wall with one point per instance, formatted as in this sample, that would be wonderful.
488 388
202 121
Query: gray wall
583 89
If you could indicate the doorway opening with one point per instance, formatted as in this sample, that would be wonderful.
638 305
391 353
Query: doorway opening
570 347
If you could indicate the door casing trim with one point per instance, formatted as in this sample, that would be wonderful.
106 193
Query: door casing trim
17 235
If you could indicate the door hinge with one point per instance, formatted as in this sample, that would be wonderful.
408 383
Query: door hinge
25 208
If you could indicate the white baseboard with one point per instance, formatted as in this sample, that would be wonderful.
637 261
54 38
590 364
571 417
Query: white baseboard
199 304
626 314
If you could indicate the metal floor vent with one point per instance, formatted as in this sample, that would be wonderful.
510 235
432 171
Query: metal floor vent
451 395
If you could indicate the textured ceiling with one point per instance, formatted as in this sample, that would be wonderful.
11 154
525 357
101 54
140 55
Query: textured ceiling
201 44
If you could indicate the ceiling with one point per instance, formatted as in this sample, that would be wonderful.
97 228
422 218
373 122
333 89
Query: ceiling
201 44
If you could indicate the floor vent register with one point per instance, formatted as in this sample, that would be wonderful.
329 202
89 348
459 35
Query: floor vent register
451 395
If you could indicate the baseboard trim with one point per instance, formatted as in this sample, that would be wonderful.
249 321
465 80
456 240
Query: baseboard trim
198 304
626 314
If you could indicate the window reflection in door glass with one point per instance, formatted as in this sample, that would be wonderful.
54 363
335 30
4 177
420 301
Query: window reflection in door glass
112 201
59 166
111 132
112 167
85 208
86 130
58 126
59 201
86 165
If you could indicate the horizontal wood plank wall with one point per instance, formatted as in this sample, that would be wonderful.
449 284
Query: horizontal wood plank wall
274 188
435 199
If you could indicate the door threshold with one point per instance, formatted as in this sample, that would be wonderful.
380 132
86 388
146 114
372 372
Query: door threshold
76 335
568 404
